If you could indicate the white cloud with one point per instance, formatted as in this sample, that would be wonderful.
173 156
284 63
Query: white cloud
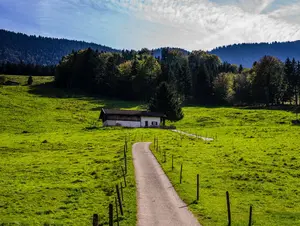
255 6
289 13
209 25
190 24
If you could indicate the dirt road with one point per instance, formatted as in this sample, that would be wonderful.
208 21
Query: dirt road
158 202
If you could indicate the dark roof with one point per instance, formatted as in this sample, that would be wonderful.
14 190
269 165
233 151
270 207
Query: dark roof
130 112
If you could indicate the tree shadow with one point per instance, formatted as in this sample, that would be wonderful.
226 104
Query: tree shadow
286 107
51 91
189 204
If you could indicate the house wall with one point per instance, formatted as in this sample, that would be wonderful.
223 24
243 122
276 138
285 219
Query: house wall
124 118
150 120
132 124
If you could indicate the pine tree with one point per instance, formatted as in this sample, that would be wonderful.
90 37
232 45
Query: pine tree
167 102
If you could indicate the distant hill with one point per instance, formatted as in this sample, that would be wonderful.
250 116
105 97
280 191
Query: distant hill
246 54
15 47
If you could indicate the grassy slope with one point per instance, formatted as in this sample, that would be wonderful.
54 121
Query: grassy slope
255 158
69 178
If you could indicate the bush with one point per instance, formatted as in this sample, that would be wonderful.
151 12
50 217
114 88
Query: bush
172 127
30 80
2 79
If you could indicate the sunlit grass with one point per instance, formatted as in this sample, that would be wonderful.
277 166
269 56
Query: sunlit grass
59 166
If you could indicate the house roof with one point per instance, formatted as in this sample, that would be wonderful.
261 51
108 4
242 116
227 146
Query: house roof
105 111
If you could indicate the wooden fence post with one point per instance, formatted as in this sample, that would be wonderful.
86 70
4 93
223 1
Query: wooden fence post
172 162
181 173
250 216
197 187
117 212
95 220
228 208
122 195
111 215
124 176
125 159
119 199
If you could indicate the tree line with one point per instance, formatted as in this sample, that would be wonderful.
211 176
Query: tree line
26 69
197 77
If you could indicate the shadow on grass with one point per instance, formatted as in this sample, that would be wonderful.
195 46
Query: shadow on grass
51 91
281 107
189 204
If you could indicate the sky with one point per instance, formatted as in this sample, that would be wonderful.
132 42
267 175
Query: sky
134 24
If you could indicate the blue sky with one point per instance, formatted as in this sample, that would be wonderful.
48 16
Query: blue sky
133 24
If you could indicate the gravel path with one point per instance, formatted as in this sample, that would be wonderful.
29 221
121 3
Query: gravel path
193 135
157 200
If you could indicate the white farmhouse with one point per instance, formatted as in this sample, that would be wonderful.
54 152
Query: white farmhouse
130 118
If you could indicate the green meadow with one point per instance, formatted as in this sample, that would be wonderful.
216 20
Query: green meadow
58 166
255 157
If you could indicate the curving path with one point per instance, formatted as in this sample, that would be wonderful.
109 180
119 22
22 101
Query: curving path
157 200
193 135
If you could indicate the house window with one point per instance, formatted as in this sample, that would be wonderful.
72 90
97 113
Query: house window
154 123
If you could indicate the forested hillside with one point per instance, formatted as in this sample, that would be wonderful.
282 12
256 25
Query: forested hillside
16 47
246 54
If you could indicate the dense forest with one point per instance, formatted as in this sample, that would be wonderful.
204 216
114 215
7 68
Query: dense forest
199 77
246 54
26 69
16 47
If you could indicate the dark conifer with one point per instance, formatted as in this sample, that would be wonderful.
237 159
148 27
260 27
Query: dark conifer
167 102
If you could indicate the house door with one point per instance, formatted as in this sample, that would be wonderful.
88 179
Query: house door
146 123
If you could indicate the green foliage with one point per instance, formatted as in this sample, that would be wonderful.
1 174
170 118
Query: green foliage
223 88
204 68
166 101
109 74
269 81
21 68
292 80
242 87
199 77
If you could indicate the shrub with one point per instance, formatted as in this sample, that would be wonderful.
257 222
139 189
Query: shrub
30 80
2 79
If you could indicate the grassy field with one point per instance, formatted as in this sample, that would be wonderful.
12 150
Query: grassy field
66 179
57 165
255 157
